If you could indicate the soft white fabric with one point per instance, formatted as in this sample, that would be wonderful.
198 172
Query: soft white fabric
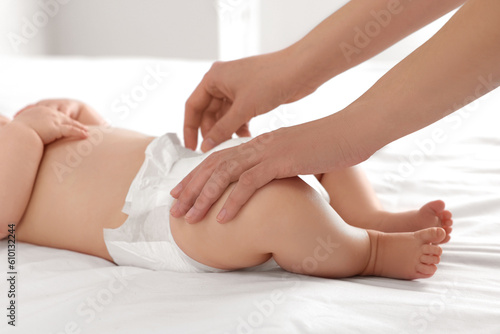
145 239
63 292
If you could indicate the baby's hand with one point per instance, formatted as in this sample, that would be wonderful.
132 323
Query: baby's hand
68 107
51 124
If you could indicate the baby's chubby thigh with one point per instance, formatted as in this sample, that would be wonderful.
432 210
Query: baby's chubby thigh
224 246
248 239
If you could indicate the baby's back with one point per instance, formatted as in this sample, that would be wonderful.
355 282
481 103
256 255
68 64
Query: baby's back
81 188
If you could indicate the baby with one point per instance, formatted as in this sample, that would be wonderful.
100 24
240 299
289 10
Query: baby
70 181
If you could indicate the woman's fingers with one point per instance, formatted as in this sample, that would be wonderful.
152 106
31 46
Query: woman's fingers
224 128
188 190
226 95
227 171
248 183
210 115
177 190
244 131
245 163
195 108
203 186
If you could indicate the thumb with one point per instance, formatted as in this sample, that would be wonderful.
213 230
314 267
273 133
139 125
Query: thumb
223 129
244 131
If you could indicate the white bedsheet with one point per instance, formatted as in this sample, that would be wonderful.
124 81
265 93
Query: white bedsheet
65 292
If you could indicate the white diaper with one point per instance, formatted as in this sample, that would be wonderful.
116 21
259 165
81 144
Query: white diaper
145 239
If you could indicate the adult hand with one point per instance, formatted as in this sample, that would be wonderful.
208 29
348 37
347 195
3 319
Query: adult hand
231 93
51 124
309 148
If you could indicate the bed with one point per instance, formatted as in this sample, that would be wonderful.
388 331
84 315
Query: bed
456 159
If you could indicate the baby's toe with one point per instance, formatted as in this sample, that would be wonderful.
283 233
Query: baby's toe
426 270
433 235
435 206
447 222
445 218
429 259
448 238
434 250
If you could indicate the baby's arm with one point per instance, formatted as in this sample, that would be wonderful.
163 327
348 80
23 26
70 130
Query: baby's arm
75 109
21 148
20 152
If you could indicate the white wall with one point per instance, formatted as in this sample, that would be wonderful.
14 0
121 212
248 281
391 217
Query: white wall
193 29
160 28
18 34
239 28
283 22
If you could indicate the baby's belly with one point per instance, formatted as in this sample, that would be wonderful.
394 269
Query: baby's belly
81 188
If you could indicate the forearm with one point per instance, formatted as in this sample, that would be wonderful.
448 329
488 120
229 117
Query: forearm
360 30
20 153
455 67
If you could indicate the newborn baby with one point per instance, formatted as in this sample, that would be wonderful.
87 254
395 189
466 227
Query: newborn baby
70 181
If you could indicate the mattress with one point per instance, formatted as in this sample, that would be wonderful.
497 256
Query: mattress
456 159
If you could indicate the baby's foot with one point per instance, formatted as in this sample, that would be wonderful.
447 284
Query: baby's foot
432 214
405 255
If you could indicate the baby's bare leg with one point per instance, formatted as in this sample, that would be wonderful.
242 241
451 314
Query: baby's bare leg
353 197
290 222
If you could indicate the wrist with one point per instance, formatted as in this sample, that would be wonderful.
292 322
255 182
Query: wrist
24 132
355 135
301 75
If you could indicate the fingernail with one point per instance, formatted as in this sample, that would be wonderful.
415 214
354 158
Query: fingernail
221 215
208 144
176 191
174 209
190 214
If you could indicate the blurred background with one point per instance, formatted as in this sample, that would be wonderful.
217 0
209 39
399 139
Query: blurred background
187 29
